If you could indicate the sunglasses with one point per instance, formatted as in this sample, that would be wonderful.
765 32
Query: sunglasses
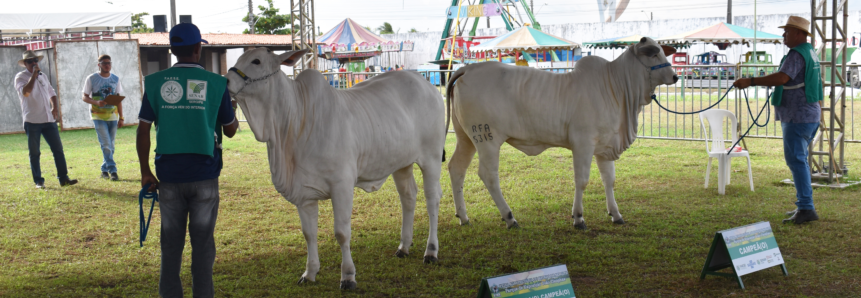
34 60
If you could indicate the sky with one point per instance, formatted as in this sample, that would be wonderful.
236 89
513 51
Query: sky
213 16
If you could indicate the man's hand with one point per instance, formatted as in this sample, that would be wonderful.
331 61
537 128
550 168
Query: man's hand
120 123
55 113
149 178
102 103
741 83
36 70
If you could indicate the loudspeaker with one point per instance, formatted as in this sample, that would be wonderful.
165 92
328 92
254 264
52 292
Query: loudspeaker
185 19
159 23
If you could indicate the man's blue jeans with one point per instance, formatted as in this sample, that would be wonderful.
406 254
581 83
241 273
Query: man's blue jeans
194 203
107 132
52 137
796 138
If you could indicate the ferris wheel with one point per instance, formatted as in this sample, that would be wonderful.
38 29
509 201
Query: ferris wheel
462 13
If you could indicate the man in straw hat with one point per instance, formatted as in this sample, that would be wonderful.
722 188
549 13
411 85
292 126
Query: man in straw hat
797 92
40 112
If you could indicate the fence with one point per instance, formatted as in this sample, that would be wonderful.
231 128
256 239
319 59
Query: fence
699 87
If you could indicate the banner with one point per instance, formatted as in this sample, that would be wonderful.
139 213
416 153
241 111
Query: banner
745 249
492 10
475 11
543 282
752 248
452 12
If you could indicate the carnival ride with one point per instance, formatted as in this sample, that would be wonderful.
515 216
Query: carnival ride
349 41
455 44
349 44
525 43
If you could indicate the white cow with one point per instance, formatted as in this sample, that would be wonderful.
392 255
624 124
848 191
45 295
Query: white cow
592 111
324 142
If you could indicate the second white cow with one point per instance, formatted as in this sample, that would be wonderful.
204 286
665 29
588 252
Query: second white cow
324 142
592 111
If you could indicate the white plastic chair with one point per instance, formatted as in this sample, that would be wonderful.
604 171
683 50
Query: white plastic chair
716 146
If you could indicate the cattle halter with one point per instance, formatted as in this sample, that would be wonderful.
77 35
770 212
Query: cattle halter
651 68
247 80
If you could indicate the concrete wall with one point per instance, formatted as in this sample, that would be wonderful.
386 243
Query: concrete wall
77 59
427 43
11 119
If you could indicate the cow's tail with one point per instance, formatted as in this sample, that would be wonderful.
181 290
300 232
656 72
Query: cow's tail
449 97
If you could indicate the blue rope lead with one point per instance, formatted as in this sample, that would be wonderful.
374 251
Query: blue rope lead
755 121
746 99
655 98
144 224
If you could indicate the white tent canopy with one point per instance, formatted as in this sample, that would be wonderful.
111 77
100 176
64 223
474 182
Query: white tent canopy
25 24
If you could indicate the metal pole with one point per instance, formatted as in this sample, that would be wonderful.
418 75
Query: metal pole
832 95
842 104
172 13
729 12
250 17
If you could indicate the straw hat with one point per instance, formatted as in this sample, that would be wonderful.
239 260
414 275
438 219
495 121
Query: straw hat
28 54
798 23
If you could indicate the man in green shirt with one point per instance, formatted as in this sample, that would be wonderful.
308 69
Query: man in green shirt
189 106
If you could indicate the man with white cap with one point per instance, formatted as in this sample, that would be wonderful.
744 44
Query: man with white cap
190 107
797 92
40 112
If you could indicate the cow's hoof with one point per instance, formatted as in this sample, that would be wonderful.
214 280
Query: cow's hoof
619 222
465 223
581 226
401 254
514 225
348 285
304 281
431 260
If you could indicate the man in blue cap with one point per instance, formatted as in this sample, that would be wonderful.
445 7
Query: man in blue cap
190 107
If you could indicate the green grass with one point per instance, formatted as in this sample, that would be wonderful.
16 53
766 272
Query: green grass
82 241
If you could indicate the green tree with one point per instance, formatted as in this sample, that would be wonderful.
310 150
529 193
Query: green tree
413 30
138 25
385 28
270 22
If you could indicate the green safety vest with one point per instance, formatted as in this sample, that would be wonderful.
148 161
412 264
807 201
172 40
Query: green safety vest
186 103
812 80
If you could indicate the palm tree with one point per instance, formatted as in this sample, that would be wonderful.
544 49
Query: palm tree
385 28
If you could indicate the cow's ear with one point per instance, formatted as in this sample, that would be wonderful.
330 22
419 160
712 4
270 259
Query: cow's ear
668 50
290 58
648 50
